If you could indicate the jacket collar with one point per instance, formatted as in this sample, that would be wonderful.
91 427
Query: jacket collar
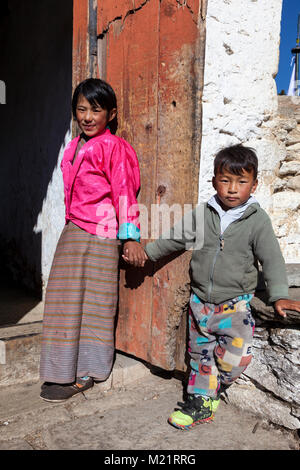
70 152
226 218
246 209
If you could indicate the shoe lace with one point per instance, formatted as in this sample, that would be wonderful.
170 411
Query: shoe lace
191 404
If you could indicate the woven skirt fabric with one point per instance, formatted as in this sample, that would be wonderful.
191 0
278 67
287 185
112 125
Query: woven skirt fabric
80 307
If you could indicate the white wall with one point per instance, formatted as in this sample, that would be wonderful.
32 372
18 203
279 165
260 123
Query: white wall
51 219
240 98
242 47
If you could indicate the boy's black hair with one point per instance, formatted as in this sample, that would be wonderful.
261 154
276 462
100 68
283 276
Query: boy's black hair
97 91
235 159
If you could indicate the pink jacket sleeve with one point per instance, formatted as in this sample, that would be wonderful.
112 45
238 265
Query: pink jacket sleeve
125 183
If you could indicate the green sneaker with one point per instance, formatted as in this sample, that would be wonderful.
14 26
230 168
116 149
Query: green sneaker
216 401
194 410
214 404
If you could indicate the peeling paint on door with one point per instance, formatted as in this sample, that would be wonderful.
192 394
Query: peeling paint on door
152 53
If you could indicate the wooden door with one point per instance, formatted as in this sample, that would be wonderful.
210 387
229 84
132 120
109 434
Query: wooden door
152 53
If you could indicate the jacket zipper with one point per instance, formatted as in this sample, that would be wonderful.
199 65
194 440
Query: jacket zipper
220 248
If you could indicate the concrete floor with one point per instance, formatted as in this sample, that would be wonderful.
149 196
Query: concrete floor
131 417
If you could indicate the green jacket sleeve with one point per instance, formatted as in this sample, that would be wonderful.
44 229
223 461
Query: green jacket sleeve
268 252
183 236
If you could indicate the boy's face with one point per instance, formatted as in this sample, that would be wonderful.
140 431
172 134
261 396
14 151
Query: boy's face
234 190
92 119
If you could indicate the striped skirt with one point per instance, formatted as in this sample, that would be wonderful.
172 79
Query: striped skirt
80 307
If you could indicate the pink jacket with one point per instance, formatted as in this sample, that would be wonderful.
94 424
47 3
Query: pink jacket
101 187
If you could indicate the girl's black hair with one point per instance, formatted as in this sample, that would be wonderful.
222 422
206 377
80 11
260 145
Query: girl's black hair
235 159
97 91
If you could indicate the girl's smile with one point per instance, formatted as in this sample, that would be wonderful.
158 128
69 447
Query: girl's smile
92 118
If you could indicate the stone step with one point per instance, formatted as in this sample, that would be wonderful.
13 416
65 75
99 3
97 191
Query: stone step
19 353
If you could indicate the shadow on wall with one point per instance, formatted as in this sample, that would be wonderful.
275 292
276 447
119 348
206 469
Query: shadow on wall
36 66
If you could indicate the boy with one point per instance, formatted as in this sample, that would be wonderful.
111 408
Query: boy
237 233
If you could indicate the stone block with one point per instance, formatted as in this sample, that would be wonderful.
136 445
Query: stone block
272 377
106 384
263 405
275 364
294 183
20 353
293 137
133 370
294 147
289 168
289 124
286 200
117 376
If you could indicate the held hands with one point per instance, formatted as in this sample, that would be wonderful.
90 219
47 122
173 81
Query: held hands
134 254
286 304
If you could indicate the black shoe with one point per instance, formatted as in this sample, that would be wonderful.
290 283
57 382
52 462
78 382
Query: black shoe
60 392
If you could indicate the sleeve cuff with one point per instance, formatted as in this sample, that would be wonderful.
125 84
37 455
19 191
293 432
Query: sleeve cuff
281 292
129 231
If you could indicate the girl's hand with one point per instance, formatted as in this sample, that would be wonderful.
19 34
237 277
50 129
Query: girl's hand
134 254
286 304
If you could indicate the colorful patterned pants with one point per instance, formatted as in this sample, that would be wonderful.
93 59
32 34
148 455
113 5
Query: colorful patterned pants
220 343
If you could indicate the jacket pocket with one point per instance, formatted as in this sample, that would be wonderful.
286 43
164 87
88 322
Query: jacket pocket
201 266
229 272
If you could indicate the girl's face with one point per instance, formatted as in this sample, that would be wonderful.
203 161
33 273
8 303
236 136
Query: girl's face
91 118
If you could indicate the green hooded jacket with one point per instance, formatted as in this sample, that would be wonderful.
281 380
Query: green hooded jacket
225 266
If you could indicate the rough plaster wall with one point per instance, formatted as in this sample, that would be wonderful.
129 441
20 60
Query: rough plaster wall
240 102
51 219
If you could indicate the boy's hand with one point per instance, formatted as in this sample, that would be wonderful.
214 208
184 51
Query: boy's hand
286 304
134 254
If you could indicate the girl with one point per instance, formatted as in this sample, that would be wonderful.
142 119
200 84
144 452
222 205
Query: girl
101 180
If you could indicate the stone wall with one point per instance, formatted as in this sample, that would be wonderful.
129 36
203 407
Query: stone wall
285 210
240 105
270 385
